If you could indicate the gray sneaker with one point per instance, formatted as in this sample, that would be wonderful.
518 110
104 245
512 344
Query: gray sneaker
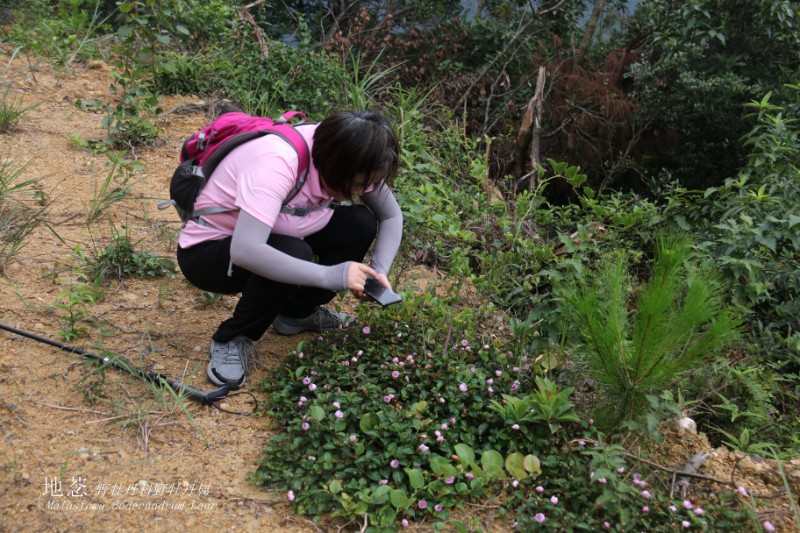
320 320
230 361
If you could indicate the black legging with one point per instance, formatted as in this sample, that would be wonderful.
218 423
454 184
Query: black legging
347 237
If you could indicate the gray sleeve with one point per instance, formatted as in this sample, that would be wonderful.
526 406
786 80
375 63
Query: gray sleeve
390 231
249 250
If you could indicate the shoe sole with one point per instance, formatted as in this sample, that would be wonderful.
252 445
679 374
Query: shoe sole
220 383
283 329
289 330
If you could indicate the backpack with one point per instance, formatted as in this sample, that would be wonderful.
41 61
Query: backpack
204 151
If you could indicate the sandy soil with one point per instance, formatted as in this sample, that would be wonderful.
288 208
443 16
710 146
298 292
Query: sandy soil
81 452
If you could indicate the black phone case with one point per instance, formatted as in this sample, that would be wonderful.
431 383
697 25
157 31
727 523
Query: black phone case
381 294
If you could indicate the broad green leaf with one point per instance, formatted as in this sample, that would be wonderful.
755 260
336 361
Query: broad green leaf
335 486
465 454
418 407
381 494
400 499
317 412
386 516
532 464
514 465
492 463
369 422
415 478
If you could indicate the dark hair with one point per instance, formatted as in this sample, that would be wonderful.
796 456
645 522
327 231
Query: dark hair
351 144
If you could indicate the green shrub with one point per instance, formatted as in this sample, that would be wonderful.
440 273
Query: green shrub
638 341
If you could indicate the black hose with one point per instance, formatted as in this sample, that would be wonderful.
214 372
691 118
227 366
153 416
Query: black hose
207 398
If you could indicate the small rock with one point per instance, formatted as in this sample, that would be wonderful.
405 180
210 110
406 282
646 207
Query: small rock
687 424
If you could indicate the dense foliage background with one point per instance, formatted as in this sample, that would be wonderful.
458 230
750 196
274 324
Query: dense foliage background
552 151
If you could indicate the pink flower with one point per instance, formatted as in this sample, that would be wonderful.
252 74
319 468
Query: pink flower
423 448
742 491
602 481
699 512
384 482
463 387
554 500
290 495
620 470
438 508
645 509
404 522
444 425
395 374
498 373
394 463
685 524
312 387
346 363
515 483
450 480
366 330
360 353
353 438
338 414
306 380
768 526
539 489
469 475
606 525
452 420
673 508
305 426
539 517
515 427
591 422
337 405
422 504
646 493
687 504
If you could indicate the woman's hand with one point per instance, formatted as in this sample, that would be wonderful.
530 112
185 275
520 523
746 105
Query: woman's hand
357 276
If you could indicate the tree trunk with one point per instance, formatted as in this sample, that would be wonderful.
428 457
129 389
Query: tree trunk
530 133
588 32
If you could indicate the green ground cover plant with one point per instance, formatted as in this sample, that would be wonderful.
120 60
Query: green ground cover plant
400 420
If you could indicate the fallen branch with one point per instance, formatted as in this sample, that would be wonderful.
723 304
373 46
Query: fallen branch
682 481
247 18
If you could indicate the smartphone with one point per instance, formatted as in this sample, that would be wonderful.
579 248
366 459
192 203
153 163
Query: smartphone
381 294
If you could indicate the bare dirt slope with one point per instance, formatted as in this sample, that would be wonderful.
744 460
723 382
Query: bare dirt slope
89 453
112 454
